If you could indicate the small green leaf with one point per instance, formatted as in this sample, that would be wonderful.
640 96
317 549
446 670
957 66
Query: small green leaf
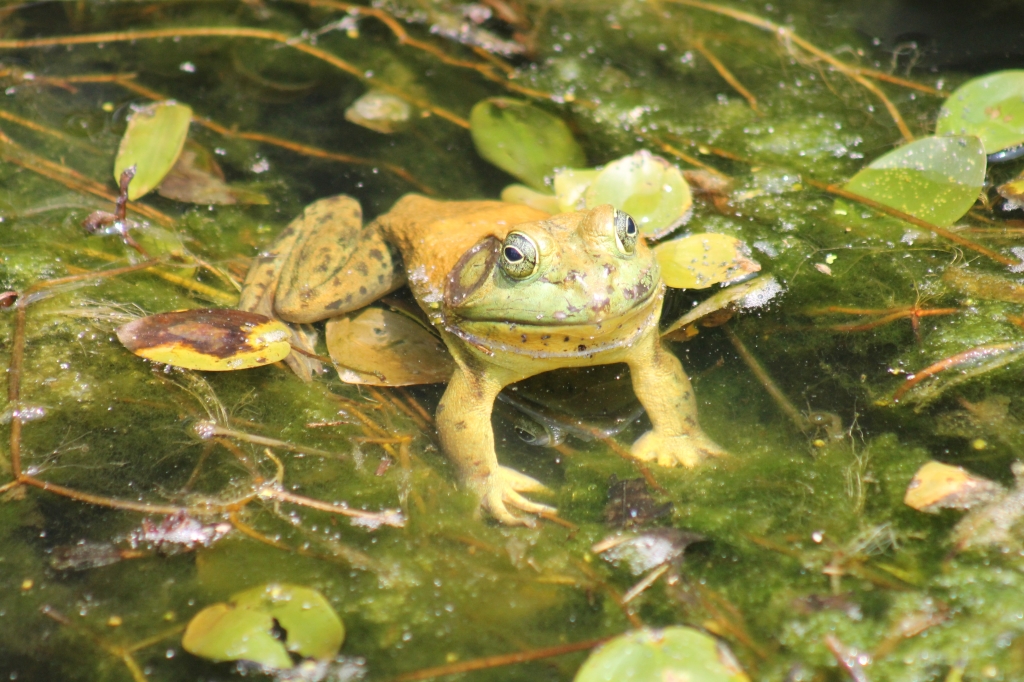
379 111
152 142
243 630
571 185
223 632
673 654
521 194
648 188
312 628
991 107
522 140
700 260
936 179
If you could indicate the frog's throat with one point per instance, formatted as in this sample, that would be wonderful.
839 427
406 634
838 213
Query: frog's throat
583 340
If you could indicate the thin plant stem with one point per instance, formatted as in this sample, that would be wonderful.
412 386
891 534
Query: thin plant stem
129 83
499 661
787 407
788 37
913 220
236 32
725 73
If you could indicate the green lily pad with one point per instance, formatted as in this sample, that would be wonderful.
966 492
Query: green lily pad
152 142
571 186
991 107
674 653
244 628
312 627
936 179
225 633
521 194
522 140
647 187
701 260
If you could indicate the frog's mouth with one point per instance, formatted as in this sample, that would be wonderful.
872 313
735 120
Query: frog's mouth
562 340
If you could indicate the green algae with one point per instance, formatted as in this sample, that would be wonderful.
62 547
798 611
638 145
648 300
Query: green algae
806 531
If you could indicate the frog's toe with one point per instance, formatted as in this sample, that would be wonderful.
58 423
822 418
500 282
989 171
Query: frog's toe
521 483
671 451
504 494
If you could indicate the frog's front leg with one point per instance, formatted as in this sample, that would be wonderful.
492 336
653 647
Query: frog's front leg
464 426
664 390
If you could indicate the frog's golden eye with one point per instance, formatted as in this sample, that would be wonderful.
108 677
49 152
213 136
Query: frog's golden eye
626 232
518 256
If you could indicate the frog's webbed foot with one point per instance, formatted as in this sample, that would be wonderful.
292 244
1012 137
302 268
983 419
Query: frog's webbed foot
303 337
687 450
501 490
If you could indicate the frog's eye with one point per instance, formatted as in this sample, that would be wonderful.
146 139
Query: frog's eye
626 232
518 256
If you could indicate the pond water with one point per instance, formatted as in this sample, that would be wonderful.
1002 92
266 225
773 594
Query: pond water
800 553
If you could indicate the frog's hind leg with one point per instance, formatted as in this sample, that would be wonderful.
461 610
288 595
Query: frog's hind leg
258 297
336 264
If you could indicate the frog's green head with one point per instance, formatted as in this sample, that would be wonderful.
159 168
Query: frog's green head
569 284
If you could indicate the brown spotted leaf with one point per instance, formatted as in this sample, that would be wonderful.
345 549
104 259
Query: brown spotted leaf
197 179
213 340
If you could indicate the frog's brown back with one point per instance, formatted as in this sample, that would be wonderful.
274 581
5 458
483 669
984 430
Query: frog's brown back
433 235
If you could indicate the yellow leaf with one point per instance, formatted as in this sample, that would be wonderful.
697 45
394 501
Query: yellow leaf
941 486
212 340
383 348
700 260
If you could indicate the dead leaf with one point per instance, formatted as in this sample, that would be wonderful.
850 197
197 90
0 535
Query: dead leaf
938 486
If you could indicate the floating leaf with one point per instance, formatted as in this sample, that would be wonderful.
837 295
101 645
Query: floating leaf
996 520
522 140
152 142
521 194
198 179
700 260
245 628
990 107
648 188
383 348
673 654
938 486
224 633
379 111
571 185
312 628
936 179
213 340
752 293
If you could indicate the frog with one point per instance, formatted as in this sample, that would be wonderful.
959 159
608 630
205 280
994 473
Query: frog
512 291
